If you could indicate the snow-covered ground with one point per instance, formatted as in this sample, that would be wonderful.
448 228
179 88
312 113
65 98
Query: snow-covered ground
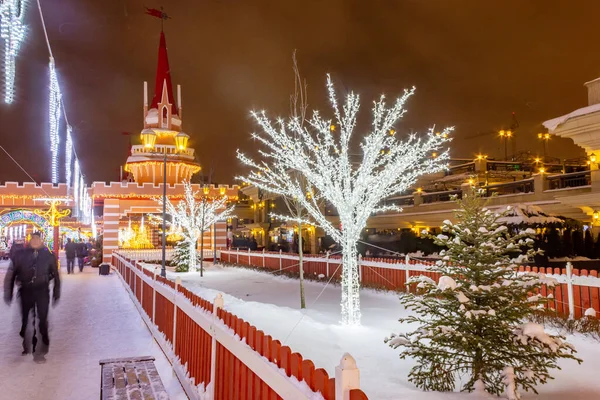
94 320
272 304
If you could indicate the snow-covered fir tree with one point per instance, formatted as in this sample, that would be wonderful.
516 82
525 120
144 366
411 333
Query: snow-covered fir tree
182 257
474 322
194 215
354 181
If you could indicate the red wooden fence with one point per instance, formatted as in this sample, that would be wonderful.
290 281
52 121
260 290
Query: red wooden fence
391 275
195 346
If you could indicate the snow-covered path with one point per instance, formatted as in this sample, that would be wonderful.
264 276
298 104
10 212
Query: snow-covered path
271 303
95 319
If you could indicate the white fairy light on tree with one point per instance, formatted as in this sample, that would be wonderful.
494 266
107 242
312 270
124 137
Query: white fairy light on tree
356 189
68 156
195 217
55 111
12 32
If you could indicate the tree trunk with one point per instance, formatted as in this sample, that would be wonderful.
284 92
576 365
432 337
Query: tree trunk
202 254
193 255
350 284
301 266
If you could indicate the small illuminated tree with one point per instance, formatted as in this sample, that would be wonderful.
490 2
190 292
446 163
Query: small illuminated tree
195 214
355 187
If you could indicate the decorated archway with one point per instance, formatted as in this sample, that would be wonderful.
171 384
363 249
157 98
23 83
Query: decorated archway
14 217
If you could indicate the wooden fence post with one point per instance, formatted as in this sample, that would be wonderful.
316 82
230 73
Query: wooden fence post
177 283
154 296
406 264
347 377
218 303
360 268
237 256
327 263
280 260
570 290
263 257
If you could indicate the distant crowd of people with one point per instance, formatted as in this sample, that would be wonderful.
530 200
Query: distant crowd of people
79 250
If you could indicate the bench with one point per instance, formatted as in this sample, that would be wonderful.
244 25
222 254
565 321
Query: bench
132 378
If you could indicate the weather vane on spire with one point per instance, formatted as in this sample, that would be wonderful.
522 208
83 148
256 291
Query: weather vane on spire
158 14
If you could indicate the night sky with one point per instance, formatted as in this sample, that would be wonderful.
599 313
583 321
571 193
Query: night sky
473 63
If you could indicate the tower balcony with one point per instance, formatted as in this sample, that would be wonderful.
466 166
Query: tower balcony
160 149
147 164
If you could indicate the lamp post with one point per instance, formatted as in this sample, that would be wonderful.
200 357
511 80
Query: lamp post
544 137
149 140
505 135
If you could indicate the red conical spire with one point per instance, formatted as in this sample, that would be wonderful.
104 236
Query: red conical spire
163 73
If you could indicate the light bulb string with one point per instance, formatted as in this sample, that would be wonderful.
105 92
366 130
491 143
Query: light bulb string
64 111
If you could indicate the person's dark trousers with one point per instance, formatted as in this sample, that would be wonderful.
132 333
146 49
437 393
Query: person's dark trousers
37 299
70 265
80 263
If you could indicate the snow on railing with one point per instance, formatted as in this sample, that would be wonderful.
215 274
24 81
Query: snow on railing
156 254
210 347
392 274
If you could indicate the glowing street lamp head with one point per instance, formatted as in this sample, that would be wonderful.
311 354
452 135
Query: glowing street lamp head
148 138
181 141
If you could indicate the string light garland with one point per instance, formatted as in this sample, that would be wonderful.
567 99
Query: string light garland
76 174
81 194
12 32
55 109
320 151
68 156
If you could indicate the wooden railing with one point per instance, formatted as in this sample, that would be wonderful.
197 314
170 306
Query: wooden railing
217 355
572 180
393 275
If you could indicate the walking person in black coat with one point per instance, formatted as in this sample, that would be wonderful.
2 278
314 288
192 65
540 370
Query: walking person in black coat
81 255
33 268
71 253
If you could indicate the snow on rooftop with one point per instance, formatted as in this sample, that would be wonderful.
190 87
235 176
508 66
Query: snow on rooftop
552 124
529 215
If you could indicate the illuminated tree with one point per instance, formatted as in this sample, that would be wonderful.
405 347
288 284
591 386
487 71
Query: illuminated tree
195 217
355 186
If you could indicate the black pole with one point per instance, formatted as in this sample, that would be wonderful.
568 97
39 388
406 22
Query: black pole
506 148
202 238
163 271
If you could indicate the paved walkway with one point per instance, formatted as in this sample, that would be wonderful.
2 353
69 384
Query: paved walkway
95 319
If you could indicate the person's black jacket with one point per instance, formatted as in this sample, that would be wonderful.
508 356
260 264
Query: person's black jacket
32 272
81 250
71 249
14 249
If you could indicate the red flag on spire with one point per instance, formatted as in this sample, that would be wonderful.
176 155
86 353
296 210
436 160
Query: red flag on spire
157 13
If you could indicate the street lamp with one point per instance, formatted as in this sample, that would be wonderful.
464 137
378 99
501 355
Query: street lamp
505 135
544 137
148 137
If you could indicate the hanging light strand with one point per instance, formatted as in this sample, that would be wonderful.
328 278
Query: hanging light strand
55 108
82 207
12 32
68 157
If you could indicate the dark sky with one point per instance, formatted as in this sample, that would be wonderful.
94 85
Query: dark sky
473 63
